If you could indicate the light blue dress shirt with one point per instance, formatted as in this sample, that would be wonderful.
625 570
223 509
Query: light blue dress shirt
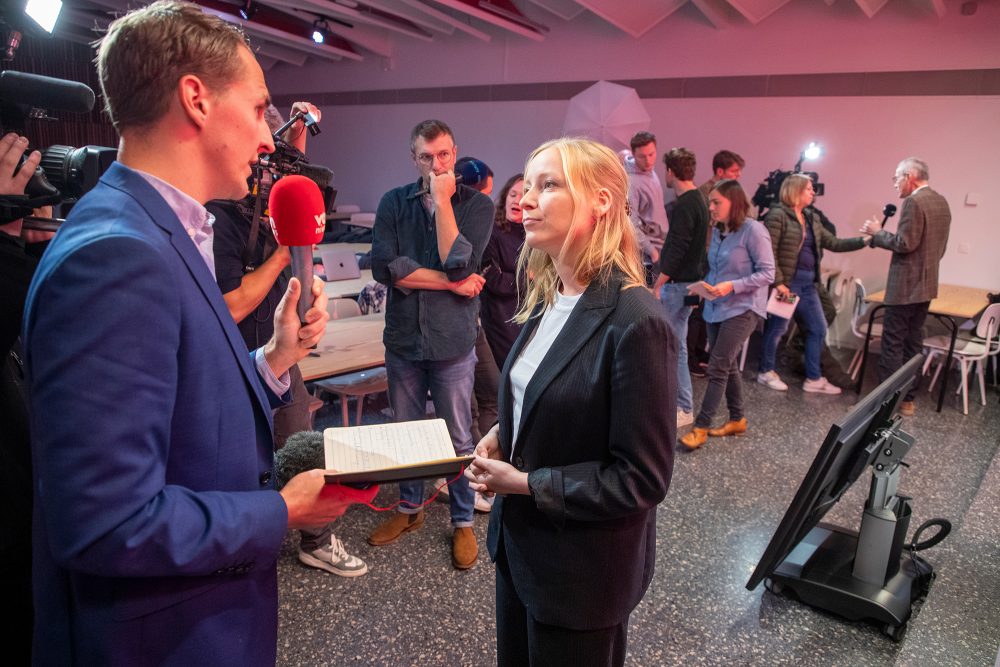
197 221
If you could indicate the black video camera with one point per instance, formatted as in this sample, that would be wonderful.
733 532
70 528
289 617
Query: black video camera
769 191
65 173
286 159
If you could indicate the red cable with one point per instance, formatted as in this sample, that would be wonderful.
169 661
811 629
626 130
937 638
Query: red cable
411 505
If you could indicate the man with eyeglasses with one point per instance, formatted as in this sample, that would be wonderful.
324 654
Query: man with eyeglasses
429 238
917 248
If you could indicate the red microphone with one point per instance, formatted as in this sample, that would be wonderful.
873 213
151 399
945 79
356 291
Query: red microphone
298 220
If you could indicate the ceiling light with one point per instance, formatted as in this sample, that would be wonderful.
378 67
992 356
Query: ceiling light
248 9
319 32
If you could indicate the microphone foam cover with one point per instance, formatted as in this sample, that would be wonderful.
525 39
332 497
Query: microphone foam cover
302 451
298 215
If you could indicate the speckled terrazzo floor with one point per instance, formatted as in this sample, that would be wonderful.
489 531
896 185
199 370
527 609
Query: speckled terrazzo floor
723 505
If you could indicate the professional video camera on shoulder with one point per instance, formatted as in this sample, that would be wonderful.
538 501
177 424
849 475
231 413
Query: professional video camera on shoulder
65 173
769 191
286 159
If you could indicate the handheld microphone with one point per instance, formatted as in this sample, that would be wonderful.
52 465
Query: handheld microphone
471 173
298 220
45 92
888 211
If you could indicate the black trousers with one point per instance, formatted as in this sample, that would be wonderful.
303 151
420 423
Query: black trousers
902 339
524 642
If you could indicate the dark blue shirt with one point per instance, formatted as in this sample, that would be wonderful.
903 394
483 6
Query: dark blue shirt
805 269
231 234
428 325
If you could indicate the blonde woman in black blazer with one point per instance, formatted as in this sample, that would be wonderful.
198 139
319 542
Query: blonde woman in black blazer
583 452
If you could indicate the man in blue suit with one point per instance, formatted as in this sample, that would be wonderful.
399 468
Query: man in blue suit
157 526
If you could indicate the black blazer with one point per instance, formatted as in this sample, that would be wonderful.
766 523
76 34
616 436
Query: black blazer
597 435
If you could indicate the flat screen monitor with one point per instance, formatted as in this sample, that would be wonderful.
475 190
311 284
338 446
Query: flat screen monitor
849 448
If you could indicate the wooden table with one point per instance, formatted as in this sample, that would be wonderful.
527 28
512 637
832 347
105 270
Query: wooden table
351 344
953 303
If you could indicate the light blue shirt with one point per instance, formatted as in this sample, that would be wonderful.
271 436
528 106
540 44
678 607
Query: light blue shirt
745 258
197 222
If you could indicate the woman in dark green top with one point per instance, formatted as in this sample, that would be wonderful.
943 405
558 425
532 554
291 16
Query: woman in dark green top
798 239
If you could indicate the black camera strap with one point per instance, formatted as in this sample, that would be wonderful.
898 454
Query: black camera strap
248 249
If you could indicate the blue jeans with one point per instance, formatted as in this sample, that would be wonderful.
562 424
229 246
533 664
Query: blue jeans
810 317
450 384
672 296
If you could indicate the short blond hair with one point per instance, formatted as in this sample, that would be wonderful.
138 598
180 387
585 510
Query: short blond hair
146 52
792 188
588 167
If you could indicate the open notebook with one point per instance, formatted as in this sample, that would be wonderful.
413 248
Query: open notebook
391 452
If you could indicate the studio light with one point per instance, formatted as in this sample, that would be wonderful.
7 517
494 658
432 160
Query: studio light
812 151
44 12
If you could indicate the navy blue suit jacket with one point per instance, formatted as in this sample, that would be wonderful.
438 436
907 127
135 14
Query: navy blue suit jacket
156 524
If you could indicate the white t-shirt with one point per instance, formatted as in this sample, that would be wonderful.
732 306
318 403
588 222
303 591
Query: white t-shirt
535 350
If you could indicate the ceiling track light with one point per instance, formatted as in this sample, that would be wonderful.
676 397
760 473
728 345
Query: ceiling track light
320 30
248 9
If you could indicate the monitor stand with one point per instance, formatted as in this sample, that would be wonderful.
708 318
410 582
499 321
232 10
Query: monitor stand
863 575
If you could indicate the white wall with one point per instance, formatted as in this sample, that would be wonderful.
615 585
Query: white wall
367 147
804 36
865 137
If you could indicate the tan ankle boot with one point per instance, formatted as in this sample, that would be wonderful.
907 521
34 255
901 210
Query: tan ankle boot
729 428
696 438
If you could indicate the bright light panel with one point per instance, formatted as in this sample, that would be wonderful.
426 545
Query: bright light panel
812 151
44 12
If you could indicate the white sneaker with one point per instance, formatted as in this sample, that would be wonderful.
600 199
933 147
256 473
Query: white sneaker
820 386
483 504
684 418
334 558
771 380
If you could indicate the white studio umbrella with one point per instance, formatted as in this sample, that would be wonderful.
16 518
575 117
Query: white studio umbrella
606 112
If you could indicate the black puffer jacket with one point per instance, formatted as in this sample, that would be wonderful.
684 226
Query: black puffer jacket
787 238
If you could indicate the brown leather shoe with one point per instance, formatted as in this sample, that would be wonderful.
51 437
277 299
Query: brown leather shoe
464 550
907 408
696 438
729 428
391 529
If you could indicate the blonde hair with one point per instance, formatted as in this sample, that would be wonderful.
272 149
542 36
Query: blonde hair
792 188
588 167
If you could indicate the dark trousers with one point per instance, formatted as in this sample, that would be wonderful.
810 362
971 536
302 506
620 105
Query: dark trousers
485 389
522 641
902 339
726 338
697 339
294 415
292 418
